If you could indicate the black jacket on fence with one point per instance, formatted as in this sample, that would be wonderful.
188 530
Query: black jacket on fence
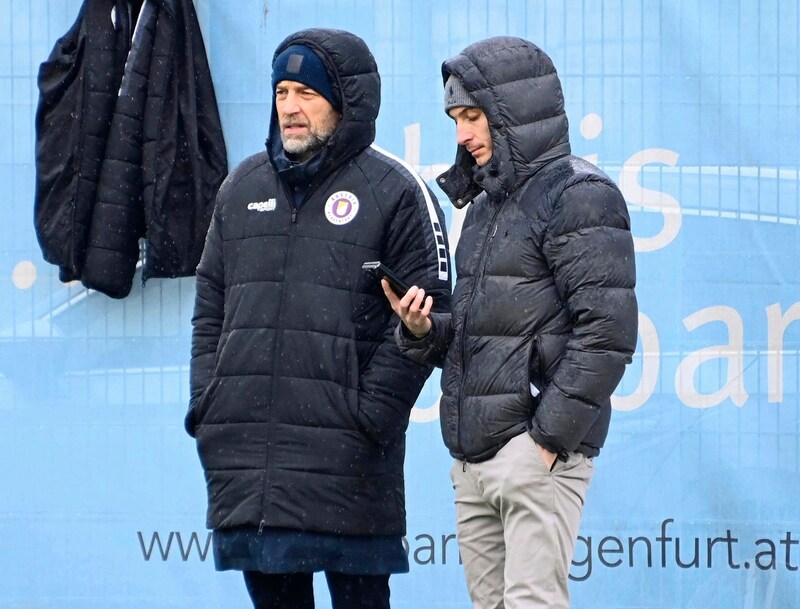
545 272
300 397
129 145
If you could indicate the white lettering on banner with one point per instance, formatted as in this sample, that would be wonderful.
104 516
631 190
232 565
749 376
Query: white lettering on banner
426 415
457 221
413 141
733 352
632 190
635 194
776 328
732 355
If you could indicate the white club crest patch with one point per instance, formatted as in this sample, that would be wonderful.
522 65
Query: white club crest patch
341 207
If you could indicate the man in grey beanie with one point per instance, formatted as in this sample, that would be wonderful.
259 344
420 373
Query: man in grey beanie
300 397
546 278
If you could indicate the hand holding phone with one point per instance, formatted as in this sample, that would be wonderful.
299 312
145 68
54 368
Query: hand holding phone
414 315
382 271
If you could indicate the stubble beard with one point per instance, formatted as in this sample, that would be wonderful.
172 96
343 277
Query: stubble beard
304 147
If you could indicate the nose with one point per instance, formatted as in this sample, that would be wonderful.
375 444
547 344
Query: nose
290 103
463 133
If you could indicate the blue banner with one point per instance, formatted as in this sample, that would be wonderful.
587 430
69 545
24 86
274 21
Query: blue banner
691 107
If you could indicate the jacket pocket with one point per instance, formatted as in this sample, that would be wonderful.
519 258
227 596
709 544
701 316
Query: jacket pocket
353 390
535 375
198 409
547 351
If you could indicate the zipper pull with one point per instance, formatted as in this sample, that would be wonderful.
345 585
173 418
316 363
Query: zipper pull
294 214
464 467
494 232
261 527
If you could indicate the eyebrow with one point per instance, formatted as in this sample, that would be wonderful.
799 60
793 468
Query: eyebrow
464 111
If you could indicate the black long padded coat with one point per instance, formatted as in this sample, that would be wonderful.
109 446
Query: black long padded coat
129 145
545 272
300 395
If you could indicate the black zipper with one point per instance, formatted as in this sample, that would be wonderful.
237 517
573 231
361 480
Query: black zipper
271 421
270 431
487 248
482 266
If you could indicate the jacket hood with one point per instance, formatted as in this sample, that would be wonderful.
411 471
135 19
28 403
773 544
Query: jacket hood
516 85
354 73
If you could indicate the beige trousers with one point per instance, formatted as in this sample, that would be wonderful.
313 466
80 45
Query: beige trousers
517 523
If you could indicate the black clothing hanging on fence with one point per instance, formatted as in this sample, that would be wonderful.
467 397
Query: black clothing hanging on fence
129 145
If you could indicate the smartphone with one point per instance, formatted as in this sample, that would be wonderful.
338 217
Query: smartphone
399 286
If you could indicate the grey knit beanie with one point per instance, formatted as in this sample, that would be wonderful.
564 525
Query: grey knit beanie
455 95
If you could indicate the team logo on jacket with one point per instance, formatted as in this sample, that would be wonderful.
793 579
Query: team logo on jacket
341 207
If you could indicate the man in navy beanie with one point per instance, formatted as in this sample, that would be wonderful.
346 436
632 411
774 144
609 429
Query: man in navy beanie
307 126
300 397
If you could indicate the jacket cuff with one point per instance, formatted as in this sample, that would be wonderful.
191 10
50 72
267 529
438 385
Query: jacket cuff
405 339
545 442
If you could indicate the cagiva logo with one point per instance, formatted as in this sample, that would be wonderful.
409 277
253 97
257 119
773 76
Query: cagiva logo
268 205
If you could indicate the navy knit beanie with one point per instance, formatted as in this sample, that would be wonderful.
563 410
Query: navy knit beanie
300 64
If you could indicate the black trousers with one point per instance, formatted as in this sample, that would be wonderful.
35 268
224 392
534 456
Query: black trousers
296 591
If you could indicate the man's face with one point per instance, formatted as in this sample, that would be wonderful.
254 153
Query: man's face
306 118
472 132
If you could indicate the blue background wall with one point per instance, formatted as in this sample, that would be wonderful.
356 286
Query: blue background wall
692 107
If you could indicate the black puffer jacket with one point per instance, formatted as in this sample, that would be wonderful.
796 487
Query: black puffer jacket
78 87
300 396
545 272
129 145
